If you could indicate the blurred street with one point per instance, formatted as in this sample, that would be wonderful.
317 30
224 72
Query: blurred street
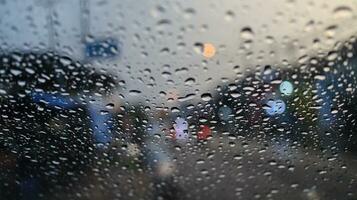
178 100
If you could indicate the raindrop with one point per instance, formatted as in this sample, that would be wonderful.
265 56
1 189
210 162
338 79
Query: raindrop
15 72
198 47
235 94
2 91
330 31
247 33
134 92
206 97
267 70
110 106
65 61
332 56
342 12
229 15
190 81
189 13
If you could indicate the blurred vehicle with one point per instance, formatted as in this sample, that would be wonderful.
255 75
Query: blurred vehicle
305 106
46 131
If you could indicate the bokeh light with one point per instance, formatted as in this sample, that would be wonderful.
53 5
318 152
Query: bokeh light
181 129
224 113
286 88
275 107
209 50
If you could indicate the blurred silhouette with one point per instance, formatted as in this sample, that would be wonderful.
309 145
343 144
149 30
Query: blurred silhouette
46 131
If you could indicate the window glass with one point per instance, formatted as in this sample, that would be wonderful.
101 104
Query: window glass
106 99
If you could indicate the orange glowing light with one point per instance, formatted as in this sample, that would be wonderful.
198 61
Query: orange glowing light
209 50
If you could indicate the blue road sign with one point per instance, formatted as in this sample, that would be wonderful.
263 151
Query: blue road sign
106 48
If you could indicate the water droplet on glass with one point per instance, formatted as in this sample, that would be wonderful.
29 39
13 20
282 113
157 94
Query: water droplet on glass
342 12
247 33
229 15
206 97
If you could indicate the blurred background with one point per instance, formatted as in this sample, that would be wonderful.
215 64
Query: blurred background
105 99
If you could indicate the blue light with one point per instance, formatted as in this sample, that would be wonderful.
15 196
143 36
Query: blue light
181 128
101 124
224 113
275 107
286 88
106 48
53 100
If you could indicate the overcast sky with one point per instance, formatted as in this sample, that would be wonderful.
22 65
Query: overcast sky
157 37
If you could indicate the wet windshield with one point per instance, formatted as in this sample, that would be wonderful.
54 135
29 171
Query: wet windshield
105 99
